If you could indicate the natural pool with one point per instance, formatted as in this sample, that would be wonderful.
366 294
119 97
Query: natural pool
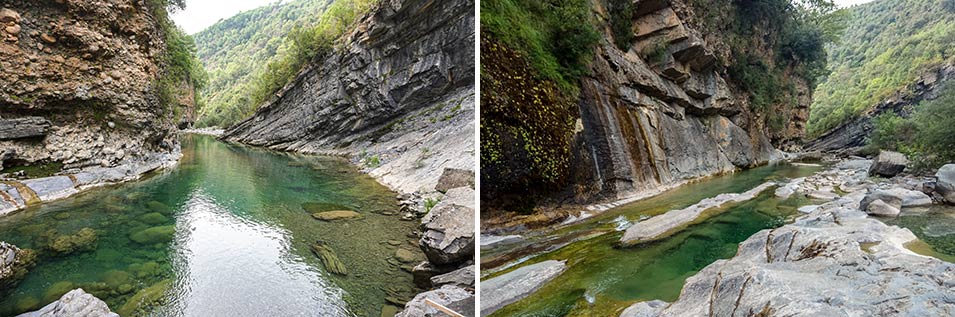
601 280
935 228
223 233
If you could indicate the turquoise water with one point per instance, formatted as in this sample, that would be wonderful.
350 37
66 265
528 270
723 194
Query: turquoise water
602 280
935 226
223 233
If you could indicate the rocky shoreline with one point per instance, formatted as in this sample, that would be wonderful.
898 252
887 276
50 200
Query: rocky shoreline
836 260
17 194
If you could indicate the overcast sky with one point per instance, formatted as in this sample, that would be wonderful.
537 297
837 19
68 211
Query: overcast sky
846 3
200 14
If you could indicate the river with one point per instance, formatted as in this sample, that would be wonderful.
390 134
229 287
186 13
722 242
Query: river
226 232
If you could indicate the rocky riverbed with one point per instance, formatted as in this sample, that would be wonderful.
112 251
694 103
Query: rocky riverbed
836 260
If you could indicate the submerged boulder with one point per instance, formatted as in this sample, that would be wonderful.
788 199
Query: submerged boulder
81 241
329 258
945 183
888 164
336 215
160 234
74 303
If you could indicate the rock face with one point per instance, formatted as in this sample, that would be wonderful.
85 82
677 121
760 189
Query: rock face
74 303
851 136
449 228
515 285
835 261
945 183
888 164
14 264
400 91
78 83
644 124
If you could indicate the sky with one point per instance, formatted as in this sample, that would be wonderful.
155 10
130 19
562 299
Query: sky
200 14
846 3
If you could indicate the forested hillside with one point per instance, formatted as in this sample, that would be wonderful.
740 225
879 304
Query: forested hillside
238 49
886 46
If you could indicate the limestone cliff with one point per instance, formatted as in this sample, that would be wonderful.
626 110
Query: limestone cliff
396 93
665 108
79 84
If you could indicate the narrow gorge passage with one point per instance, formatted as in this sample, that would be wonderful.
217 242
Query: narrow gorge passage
601 279
227 231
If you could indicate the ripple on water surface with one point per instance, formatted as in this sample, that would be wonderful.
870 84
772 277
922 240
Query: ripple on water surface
224 233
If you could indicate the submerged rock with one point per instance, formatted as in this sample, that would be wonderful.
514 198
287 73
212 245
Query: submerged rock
329 258
517 284
945 183
159 207
145 299
81 241
161 234
833 262
888 164
74 303
316 207
404 256
336 215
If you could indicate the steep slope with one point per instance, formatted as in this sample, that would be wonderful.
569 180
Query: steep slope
670 93
233 50
892 54
90 83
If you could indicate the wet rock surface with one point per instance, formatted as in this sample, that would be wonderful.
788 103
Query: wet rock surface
510 287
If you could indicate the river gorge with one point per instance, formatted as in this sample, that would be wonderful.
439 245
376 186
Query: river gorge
228 230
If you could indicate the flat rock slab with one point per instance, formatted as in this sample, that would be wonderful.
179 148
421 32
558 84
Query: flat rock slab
517 284
448 235
51 188
336 215
658 226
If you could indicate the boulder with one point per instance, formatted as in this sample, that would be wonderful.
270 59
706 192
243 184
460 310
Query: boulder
9 16
888 164
453 297
513 286
448 230
945 183
454 178
881 208
336 215
74 303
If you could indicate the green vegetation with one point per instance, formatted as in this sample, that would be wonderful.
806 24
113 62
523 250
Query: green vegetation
887 45
254 54
430 203
797 30
926 136
555 36
182 74
621 22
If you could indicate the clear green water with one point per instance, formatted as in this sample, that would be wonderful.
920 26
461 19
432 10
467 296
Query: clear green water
223 233
601 280
935 226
